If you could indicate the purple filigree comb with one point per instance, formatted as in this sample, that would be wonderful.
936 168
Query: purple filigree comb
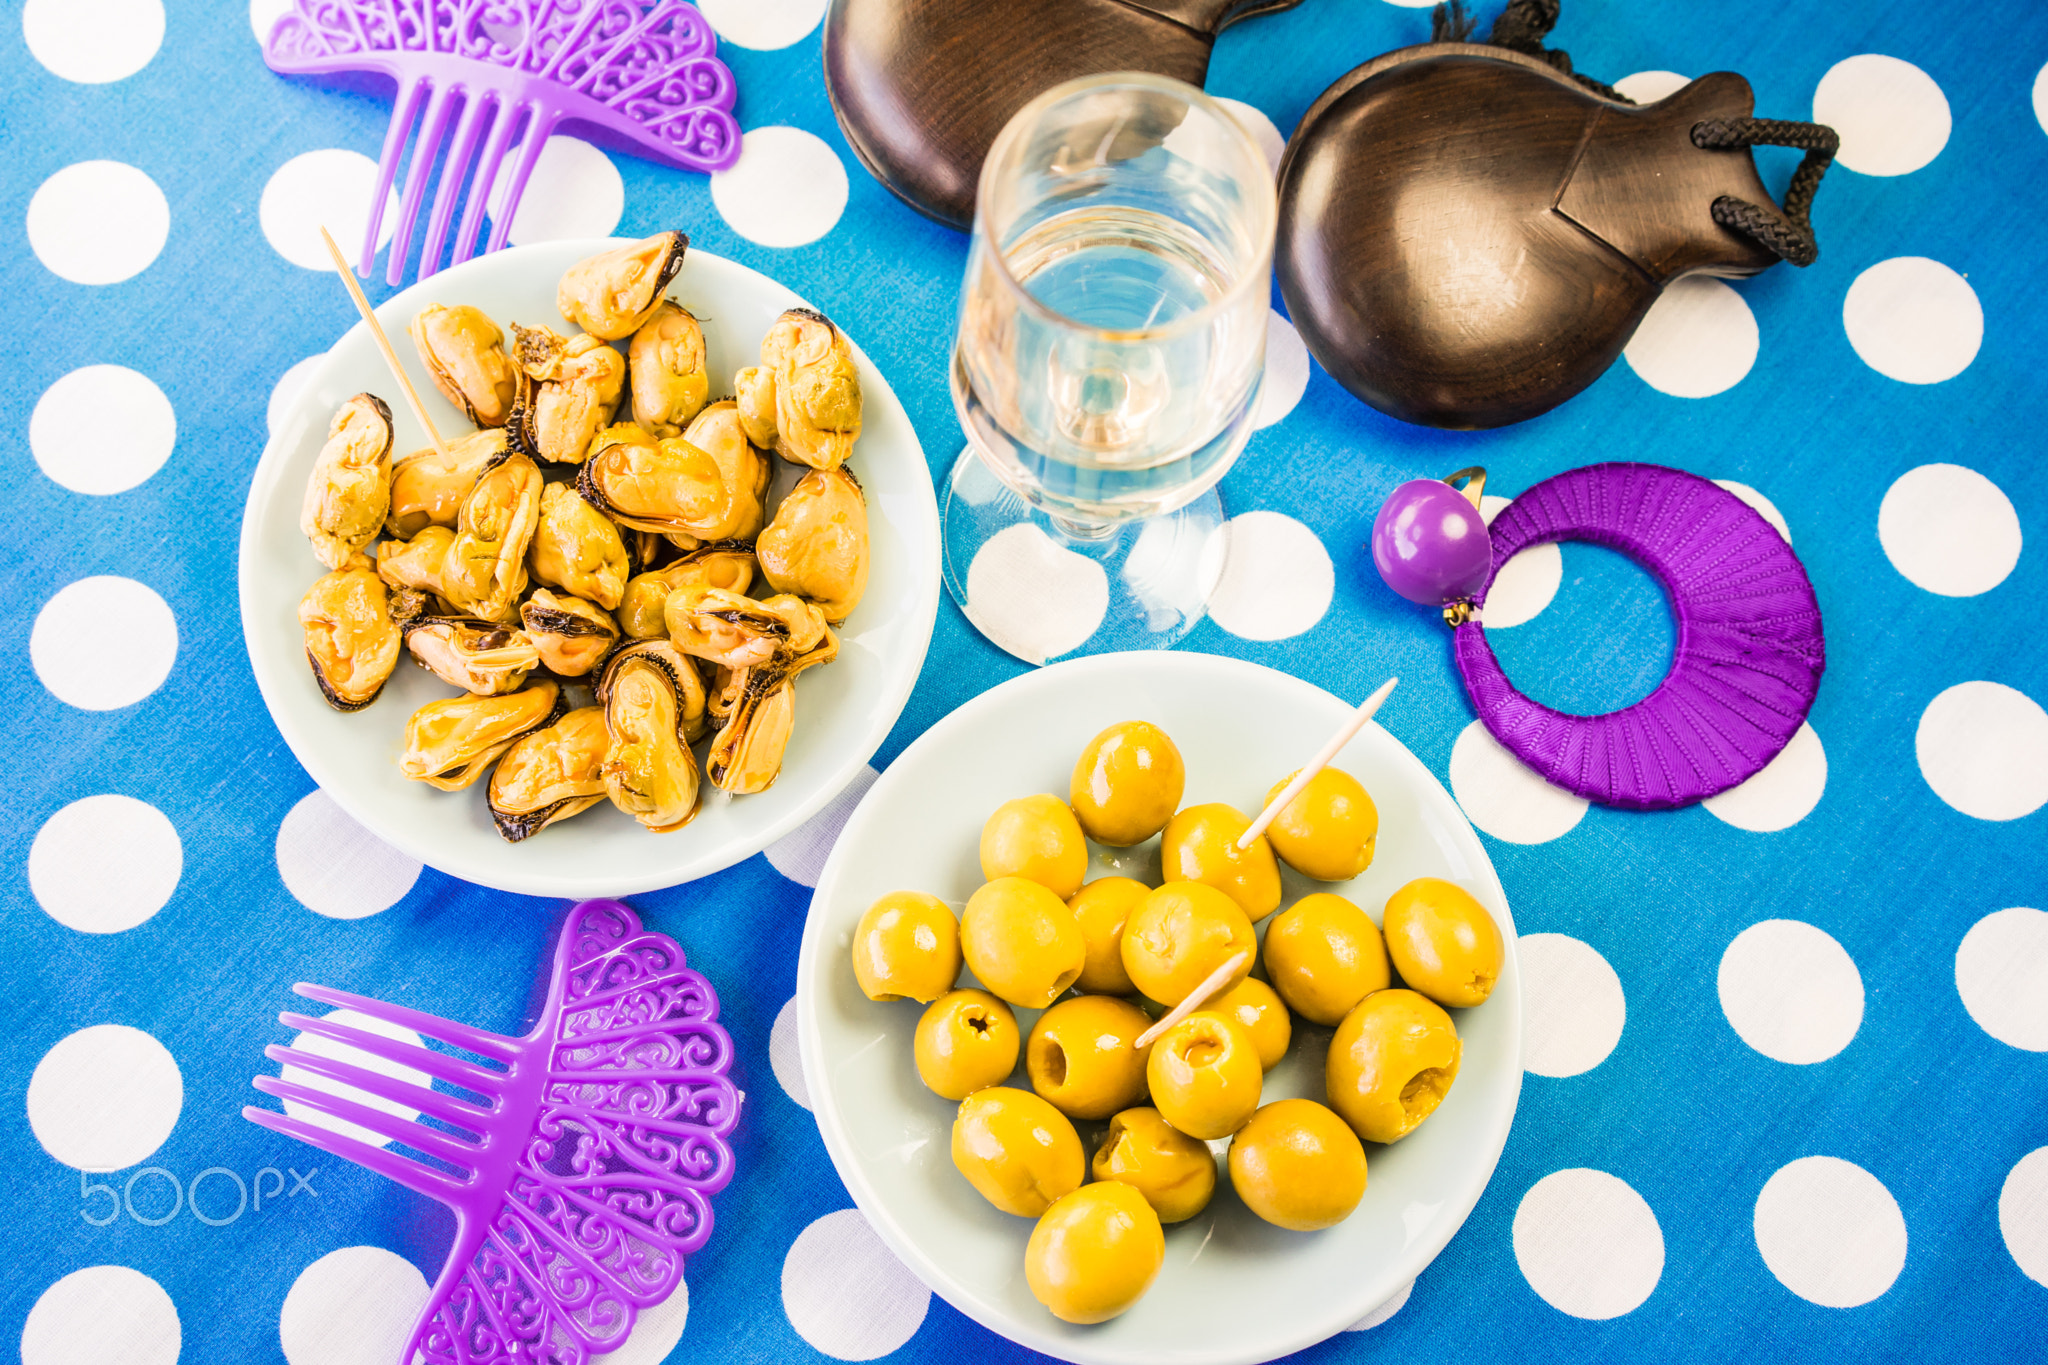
579 1160
643 70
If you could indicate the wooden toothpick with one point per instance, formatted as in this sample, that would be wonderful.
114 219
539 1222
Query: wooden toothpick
355 291
1321 761
1195 999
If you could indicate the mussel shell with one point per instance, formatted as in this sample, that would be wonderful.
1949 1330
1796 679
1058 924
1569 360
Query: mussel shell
549 775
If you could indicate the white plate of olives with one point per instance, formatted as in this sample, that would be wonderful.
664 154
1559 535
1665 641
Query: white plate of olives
1231 1287
842 711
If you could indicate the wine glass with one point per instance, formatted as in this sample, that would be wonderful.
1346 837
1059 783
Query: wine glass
1111 347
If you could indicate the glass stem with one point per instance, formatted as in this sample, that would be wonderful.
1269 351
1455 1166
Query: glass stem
1081 530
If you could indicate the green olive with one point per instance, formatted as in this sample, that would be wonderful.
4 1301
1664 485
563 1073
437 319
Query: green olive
1391 1062
1094 1253
1175 1173
1102 908
1327 831
1200 845
1296 1165
1083 1056
1127 783
906 947
1443 942
1324 956
1181 933
1037 838
1017 1150
966 1041
1205 1076
1258 1009
1021 941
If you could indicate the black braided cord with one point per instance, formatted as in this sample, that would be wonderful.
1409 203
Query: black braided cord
1789 235
1523 26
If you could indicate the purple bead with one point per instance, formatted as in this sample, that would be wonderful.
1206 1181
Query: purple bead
1430 544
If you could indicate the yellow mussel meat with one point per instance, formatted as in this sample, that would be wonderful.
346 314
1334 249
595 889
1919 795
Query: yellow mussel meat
572 635
577 549
817 546
349 490
550 775
613 294
351 640
452 742
670 384
464 352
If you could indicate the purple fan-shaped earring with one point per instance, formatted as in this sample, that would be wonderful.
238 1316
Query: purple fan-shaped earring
1750 651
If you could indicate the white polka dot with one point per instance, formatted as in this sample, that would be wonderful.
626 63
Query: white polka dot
1034 598
1572 1006
800 854
2002 976
787 189
2041 99
1647 87
2023 1214
785 1055
105 1098
93 41
331 188
1790 991
1261 128
355 1306
105 864
102 429
1526 583
98 222
763 24
1699 339
1286 372
655 1332
1892 117
1385 1310
1588 1244
342 1052
1913 320
1500 795
1762 505
1949 530
574 191
86 664
1412 4
1830 1231
264 14
337 868
1781 795
286 390
1983 748
102 1315
1277 578
846 1293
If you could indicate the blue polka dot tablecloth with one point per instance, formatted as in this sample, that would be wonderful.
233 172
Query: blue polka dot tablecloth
1787 1052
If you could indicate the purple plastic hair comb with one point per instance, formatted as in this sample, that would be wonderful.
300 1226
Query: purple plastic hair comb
1750 650
644 70
598 1141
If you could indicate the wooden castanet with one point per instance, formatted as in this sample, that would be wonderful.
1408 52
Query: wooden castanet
1469 237
922 87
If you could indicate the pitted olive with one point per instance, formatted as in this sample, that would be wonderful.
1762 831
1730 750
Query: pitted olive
1200 845
1035 837
1327 831
906 947
1127 783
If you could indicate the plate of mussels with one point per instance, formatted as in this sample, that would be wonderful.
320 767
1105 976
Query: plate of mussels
662 587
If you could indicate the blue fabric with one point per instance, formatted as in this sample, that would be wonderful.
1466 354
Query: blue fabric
1692 1118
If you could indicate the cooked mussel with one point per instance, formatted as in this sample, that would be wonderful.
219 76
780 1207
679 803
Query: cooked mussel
746 756
575 548
408 604
738 632
428 488
754 395
550 775
727 564
808 373
451 743
483 657
666 362
416 563
485 569
349 490
817 546
719 432
670 485
653 707
351 641
569 388
464 352
613 294
572 635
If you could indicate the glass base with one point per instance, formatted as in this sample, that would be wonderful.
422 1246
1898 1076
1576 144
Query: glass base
1043 588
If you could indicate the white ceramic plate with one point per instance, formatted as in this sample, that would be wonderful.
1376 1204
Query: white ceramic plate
1233 1288
844 710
